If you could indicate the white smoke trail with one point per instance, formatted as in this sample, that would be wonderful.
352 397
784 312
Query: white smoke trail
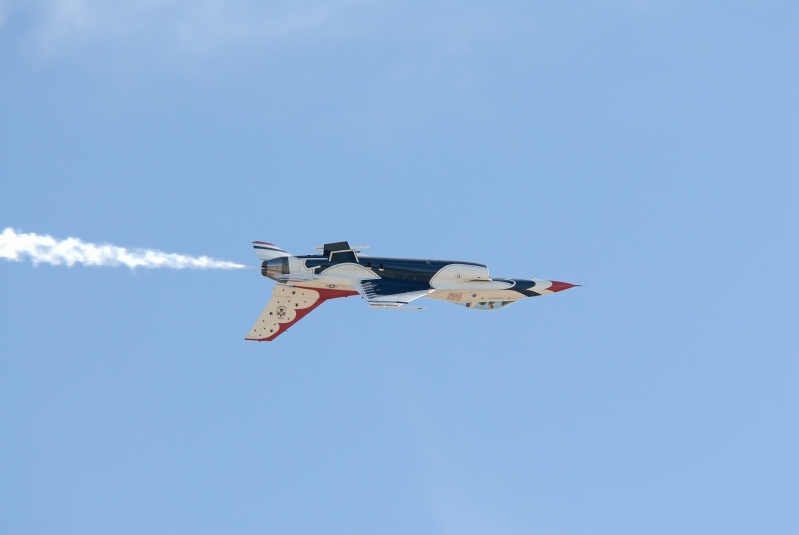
47 250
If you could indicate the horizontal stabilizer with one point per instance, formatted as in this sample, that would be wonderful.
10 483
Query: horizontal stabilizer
268 251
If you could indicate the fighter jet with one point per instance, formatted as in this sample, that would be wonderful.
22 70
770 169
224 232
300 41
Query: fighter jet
305 282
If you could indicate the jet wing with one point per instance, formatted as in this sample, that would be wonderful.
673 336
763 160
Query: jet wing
392 293
289 304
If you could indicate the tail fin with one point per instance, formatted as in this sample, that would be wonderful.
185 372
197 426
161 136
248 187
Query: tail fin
267 251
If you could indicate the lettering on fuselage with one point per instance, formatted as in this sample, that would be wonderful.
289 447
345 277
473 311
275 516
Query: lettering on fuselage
454 296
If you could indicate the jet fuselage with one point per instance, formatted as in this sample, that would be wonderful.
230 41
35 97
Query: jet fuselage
306 281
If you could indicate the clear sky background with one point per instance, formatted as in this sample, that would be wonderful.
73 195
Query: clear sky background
647 150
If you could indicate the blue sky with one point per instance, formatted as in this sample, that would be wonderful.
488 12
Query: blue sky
647 150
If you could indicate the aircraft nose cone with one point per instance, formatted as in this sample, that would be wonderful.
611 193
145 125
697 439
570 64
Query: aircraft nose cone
558 286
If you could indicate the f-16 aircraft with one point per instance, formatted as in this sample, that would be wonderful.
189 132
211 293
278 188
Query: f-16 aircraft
305 282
